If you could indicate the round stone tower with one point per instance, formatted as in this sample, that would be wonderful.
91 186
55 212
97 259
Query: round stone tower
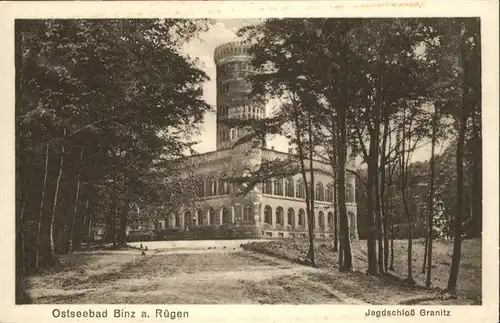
233 102
233 65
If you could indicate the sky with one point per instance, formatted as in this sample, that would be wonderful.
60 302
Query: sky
202 48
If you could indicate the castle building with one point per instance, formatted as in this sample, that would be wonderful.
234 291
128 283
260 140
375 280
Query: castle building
273 209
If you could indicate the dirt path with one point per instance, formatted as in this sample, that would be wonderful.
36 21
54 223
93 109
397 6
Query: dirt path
210 272
185 275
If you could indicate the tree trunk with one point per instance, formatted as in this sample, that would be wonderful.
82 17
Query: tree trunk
342 154
462 118
311 186
370 206
344 224
335 218
54 206
380 237
20 255
110 222
79 234
89 233
397 153
430 214
383 193
75 210
301 156
335 183
457 245
391 266
373 203
40 214
122 233
477 196
340 231
426 246
404 189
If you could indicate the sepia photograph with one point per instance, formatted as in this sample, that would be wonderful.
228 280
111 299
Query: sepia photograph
249 161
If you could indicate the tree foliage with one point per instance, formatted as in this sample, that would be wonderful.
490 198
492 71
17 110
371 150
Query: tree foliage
99 105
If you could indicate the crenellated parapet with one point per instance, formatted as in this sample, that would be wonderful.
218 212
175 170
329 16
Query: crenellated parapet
230 50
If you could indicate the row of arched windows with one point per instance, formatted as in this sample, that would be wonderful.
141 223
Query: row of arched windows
212 187
290 218
280 219
299 191
221 186
212 219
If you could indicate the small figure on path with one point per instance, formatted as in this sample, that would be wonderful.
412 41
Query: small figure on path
143 253
146 248
140 246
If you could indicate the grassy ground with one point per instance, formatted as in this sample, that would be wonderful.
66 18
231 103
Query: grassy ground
386 289
230 275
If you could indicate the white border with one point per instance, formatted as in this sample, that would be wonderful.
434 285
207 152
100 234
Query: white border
486 10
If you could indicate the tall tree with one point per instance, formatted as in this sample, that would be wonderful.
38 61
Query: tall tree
95 85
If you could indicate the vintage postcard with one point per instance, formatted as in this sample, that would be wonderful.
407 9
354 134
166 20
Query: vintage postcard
281 161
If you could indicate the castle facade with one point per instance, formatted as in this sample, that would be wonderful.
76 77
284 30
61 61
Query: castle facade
272 209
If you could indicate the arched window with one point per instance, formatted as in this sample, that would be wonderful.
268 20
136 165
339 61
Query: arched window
248 212
224 110
268 187
223 186
200 188
268 215
321 219
289 190
278 187
226 218
187 218
213 187
279 216
302 217
291 217
211 216
330 219
351 218
199 217
349 193
320 193
329 193
300 189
